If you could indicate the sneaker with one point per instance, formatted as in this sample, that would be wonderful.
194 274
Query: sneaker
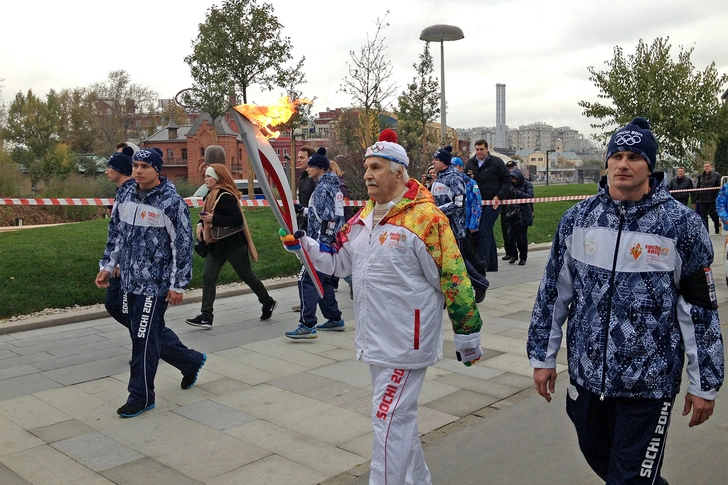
506 257
302 332
332 326
513 260
268 309
200 321
522 262
189 381
296 308
129 410
480 295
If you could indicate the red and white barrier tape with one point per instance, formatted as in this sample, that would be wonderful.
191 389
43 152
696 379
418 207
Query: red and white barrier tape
197 202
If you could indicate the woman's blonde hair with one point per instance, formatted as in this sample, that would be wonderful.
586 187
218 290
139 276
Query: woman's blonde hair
335 168
225 179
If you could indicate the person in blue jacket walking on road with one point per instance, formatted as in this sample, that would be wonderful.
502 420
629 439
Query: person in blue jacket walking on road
630 270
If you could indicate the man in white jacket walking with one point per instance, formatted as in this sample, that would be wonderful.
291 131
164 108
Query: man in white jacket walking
405 267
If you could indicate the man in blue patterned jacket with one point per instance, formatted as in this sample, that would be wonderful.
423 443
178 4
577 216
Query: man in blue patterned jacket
325 214
449 192
630 270
150 238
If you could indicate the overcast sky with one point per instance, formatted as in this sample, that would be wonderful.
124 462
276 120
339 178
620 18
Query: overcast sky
539 49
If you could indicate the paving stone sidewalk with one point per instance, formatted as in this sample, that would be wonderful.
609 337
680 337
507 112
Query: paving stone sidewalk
266 409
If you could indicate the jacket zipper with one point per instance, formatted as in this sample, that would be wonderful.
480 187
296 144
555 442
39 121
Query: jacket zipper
609 301
369 251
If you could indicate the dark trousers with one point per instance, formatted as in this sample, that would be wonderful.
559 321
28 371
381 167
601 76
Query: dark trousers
469 250
487 249
117 305
517 240
240 261
622 439
146 320
310 299
506 236
706 209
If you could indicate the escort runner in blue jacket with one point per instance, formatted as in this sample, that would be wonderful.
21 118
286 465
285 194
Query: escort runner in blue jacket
150 238
630 271
325 214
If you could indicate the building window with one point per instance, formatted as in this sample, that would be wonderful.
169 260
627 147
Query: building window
202 151
170 153
184 154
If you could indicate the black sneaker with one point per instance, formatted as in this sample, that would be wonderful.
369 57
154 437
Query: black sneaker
129 410
200 321
268 310
189 381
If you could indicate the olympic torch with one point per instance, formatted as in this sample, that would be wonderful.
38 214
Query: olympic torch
265 164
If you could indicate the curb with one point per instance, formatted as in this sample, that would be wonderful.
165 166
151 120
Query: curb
75 316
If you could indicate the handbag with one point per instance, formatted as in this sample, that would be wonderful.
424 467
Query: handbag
221 232
511 213
201 248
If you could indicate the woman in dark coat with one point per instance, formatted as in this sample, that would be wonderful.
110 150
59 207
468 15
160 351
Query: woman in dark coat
221 208
518 230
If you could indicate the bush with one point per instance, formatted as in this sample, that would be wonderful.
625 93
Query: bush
184 187
75 186
11 180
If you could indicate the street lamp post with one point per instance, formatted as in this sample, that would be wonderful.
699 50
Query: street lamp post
441 33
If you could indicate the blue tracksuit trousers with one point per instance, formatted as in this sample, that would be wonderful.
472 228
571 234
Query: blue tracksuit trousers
310 299
146 319
118 307
622 439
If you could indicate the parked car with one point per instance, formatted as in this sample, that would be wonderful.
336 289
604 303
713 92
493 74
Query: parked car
242 186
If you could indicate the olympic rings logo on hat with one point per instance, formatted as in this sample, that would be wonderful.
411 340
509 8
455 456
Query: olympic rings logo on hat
628 138
144 153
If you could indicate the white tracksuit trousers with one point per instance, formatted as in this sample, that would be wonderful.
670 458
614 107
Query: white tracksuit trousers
397 457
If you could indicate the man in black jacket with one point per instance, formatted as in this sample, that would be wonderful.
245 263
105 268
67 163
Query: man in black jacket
494 181
305 186
705 199
681 182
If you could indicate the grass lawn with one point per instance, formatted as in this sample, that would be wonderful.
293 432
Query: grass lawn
55 267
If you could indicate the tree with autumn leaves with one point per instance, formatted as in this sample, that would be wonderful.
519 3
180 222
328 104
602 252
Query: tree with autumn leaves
681 102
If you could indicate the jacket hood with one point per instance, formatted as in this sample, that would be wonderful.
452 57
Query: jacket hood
329 178
516 172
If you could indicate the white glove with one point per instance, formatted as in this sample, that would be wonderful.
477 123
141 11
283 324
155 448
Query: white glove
467 348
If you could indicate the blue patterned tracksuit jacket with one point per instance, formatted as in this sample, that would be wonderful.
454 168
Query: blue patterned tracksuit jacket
473 203
151 240
325 209
449 194
633 280
721 203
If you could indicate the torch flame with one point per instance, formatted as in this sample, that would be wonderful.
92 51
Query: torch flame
271 116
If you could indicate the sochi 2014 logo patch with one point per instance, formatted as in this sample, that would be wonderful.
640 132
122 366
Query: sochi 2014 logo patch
636 251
